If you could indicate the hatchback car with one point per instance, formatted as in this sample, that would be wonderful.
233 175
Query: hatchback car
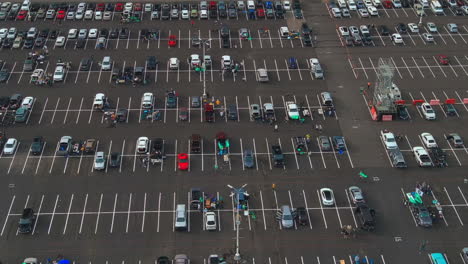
286 216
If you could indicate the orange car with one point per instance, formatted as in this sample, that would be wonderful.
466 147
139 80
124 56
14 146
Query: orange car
172 41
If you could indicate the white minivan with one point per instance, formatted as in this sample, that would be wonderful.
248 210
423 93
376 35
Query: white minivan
250 5
180 217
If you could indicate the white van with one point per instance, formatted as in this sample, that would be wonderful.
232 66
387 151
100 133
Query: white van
180 217
250 5
106 64
342 3
240 5
376 3
284 32
424 3
436 7
26 4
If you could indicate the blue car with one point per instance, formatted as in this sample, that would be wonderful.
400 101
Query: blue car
338 143
438 258
292 63
268 5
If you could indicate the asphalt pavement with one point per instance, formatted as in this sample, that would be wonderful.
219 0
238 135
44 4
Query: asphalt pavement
126 214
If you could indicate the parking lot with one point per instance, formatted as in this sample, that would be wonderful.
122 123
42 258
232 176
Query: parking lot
95 214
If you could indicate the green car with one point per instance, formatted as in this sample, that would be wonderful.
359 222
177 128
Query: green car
21 115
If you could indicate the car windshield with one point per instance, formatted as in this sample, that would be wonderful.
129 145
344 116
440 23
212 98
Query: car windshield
183 160
429 111
210 222
390 139
99 160
9 145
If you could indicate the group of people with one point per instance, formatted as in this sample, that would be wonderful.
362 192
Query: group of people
347 231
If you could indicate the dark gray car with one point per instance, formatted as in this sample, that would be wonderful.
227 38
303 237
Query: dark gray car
249 161
324 143
232 112
195 102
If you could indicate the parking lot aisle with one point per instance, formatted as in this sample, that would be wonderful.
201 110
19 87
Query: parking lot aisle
429 67
363 68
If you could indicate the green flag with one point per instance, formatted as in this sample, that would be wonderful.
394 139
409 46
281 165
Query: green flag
363 175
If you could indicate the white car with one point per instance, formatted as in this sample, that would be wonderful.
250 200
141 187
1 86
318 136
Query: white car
428 112
93 33
363 12
3 33
293 111
353 30
59 73
70 15
142 145
79 14
352 6
194 60
88 14
286 5
422 157
397 39
128 6
107 16
10 146
32 33
72 33
99 99
364 29
368 3
204 14
185 14
428 140
428 37
98 15
389 140
210 221
173 63
465 9
147 101
431 26
328 199
12 33
344 31
60 41
345 12
28 102
148 7
413 27
373 10
83 33
336 12
100 161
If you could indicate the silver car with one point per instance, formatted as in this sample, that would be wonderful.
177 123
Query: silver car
356 194
181 259
286 216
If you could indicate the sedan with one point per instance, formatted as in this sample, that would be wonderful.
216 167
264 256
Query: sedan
428 37
60 42
432 27
115 159
456 140
210 221
28 102
183 114
429 140
328 199
363 12
10 146
100 161
324 143
70 15
61 14
397 39
172 42
142 145
249 161
443 59
182 161
93 33
356 194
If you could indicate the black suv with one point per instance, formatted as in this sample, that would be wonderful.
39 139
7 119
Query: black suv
365 216
26 222
151 63
123 33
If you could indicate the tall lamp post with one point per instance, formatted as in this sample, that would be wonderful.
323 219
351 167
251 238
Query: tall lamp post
237 192
203 43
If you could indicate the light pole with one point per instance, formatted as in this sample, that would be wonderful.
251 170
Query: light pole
237 192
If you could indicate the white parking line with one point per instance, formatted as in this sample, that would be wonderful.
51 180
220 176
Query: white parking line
113 214
68 214
37 215
98 214
321 208
8 214
53 214
129 208
351 208
453 206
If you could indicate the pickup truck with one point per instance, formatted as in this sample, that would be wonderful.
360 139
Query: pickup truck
157 150
422 157
278 157
37 145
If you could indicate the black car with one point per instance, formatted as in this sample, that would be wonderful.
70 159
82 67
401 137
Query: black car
151 63
72 7
40 41
104 33
123 33
405 3
44 33
4 74
26 222
7 43
402 29
15 101
109 7
171 100
53 34
384 31
114 34
11 15
28 44
91 6
224 31
115 159
85 64
301 216
34 7
121 115
402 112
164 260
298 13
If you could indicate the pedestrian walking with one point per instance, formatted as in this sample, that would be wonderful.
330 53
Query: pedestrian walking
192 23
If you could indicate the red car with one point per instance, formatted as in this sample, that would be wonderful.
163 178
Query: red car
443 59
119 7
22 15
137 7
100 7
387 4
183 163
213 5
172 41
260 12
61 14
